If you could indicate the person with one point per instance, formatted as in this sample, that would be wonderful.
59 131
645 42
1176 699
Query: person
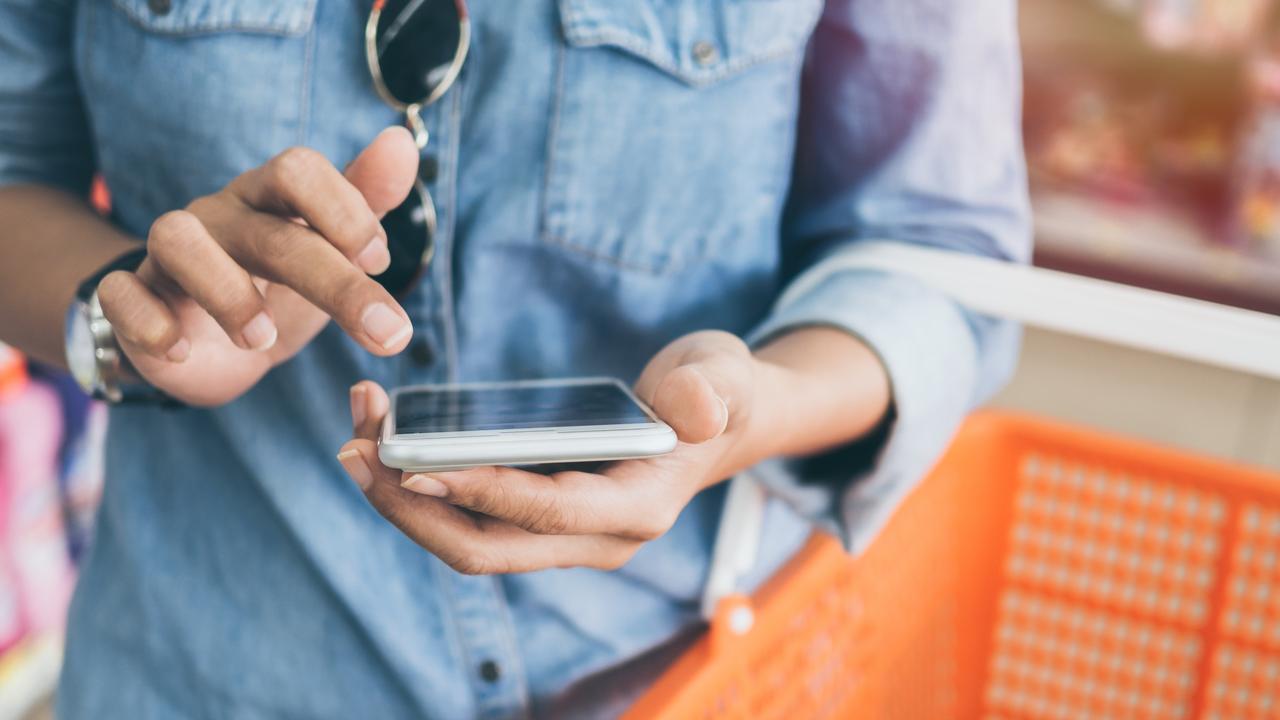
650 190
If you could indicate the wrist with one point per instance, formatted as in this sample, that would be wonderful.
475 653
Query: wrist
820 387
767 424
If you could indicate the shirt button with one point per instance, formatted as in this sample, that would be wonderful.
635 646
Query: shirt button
490 672
421 353
704 53
160 7
428 169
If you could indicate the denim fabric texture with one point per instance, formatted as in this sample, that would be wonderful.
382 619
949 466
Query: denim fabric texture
612 174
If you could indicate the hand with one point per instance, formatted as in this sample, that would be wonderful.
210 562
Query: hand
503 520
243 279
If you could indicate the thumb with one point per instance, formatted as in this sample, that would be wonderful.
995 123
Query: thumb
687 400
700 385
359 456
384 172
369 406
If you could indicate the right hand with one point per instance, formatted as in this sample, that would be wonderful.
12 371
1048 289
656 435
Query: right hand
243 279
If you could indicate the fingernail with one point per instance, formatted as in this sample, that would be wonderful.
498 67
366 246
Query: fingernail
374 258
260 333
359 405
385 326
180 351
425 485
724 423
353 463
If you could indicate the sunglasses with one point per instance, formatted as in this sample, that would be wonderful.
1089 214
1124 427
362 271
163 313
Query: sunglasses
415 50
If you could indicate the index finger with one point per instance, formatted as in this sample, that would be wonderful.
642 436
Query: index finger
469 544
563 503
295 256
301 182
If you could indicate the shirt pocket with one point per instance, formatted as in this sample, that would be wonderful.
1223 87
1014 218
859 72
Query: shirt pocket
673 128
186 94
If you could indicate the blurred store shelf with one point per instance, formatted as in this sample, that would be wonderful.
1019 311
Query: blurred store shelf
1153 248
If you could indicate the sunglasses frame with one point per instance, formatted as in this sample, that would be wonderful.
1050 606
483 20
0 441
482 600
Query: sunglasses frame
413 112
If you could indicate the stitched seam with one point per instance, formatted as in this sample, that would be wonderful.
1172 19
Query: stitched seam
580 31
306 98
90 73
555 236
509 638
446 292
667 267
553 136
626 42
449 597
268 28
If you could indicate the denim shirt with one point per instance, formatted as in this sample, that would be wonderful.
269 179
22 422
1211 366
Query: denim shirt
610 175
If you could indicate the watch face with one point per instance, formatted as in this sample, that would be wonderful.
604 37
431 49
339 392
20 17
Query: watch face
81 359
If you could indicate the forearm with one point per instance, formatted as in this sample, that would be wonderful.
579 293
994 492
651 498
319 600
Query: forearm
818 387
49 242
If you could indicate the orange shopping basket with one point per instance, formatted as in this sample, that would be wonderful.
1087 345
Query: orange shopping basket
1040 571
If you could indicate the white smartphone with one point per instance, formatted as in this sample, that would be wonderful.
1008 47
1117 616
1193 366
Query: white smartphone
449 427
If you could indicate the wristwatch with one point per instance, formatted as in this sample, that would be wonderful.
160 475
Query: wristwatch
93 354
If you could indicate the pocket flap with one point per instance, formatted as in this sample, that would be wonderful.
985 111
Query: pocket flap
697 41
193 17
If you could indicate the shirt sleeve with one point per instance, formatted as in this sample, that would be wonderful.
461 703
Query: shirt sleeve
44 138
909 131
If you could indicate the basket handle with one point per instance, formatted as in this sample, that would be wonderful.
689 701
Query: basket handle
737 541
1228 337
1242 340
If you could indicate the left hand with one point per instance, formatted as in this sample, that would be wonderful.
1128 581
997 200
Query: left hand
503 520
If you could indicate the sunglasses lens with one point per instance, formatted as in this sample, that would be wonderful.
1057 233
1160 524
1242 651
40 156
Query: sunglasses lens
411 232
417 43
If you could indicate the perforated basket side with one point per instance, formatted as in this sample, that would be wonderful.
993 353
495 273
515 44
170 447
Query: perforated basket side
1130 587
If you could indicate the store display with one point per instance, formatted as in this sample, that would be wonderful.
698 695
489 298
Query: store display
1205 25
80 456
1167 111
13 380
1258 174
1125 122
50 482
33 544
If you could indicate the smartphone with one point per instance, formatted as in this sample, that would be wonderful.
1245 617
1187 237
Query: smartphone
532 422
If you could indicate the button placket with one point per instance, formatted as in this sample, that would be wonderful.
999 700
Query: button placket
445 169
483 623
422 360
488 640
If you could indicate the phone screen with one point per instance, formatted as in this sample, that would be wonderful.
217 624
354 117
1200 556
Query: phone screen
529 407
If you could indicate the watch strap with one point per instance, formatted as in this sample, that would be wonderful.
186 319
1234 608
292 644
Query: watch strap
130 261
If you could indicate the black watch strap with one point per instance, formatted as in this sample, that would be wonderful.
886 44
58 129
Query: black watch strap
130 261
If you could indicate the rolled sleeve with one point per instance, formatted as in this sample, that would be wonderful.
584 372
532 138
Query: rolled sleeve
44 137
928 346
909 132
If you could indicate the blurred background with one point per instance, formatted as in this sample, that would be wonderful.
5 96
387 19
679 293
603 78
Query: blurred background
1153 138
